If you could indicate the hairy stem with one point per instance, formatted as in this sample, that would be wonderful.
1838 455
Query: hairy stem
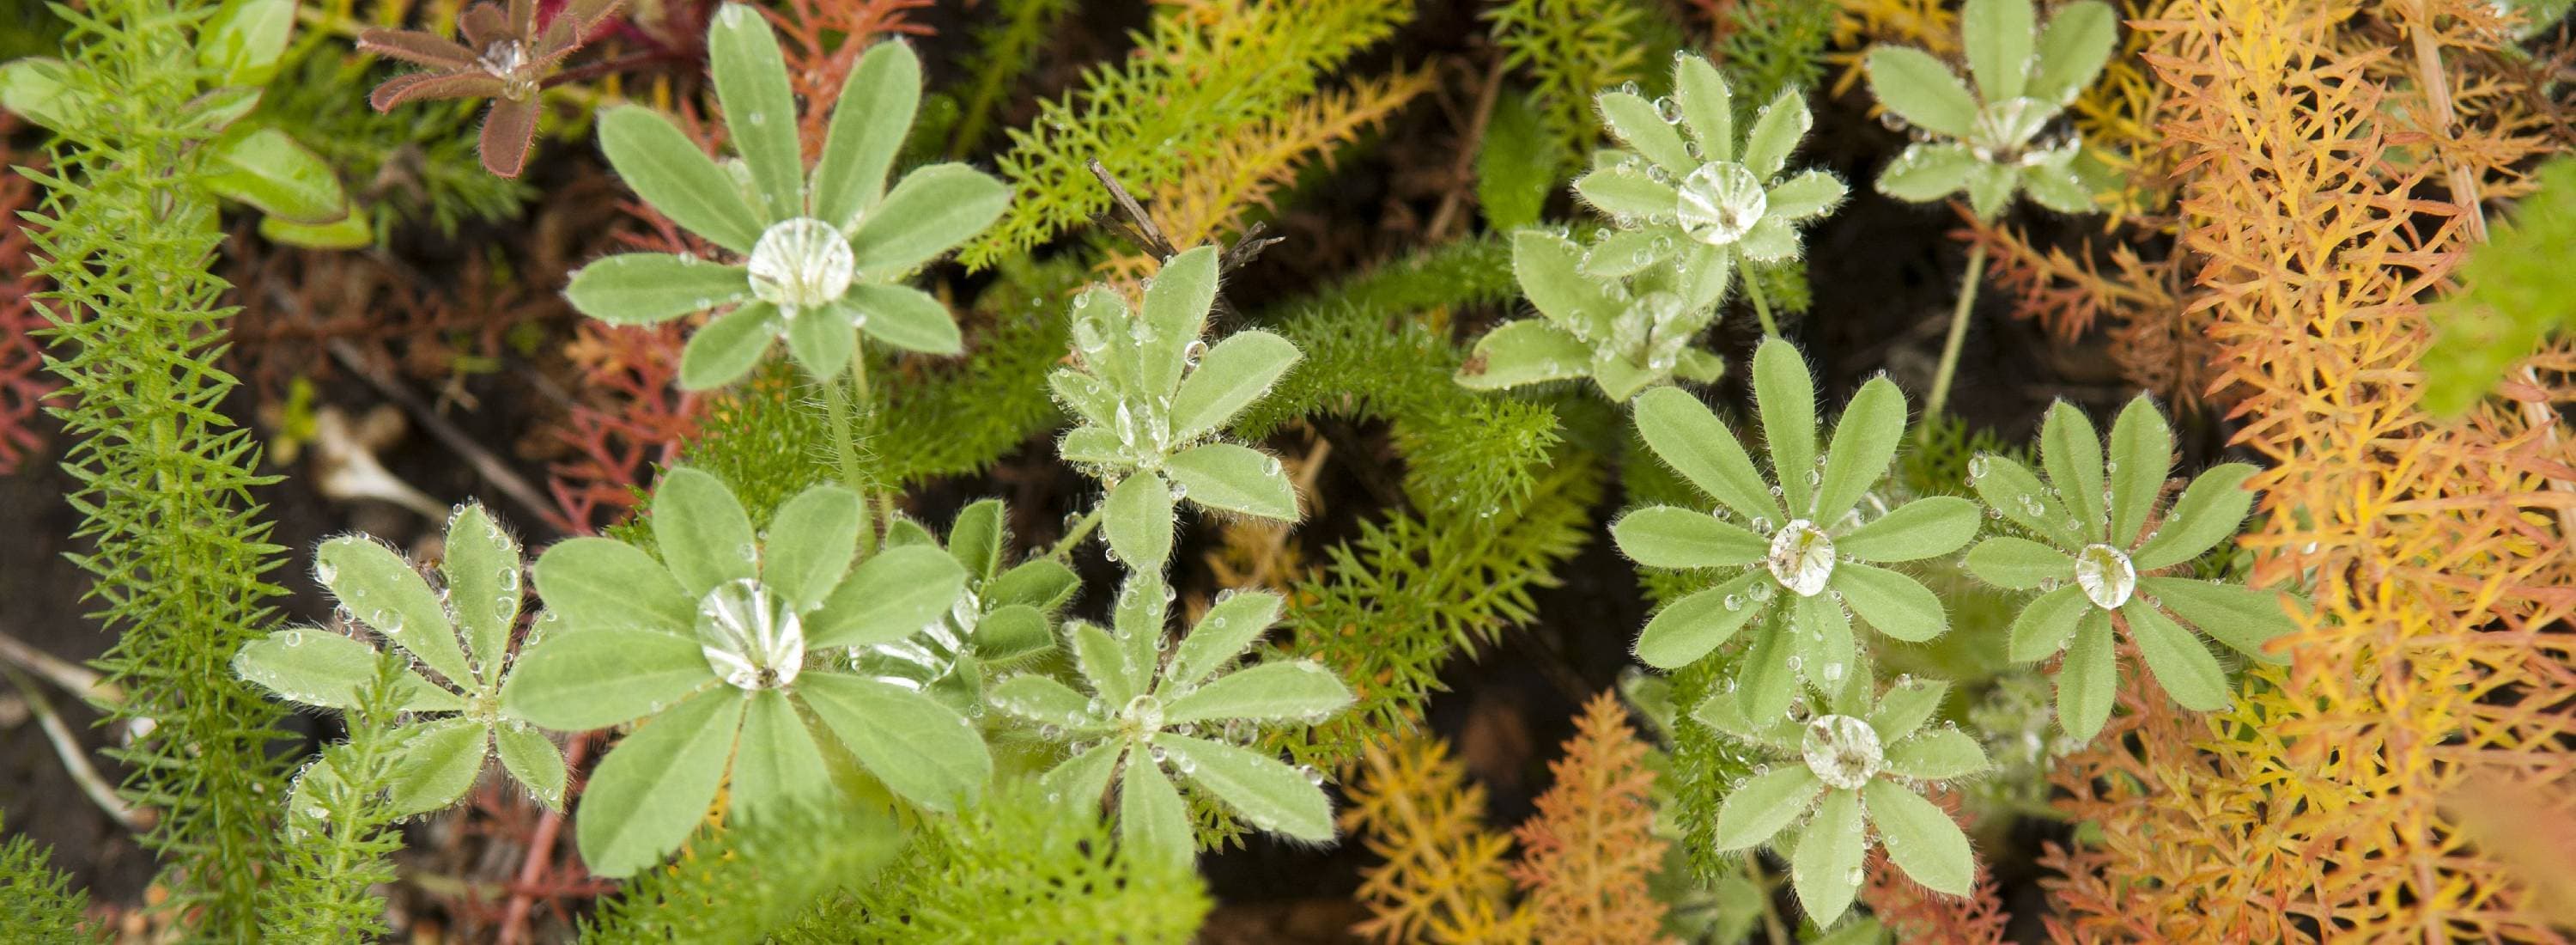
1949 368
837 403
1761 306
1081 530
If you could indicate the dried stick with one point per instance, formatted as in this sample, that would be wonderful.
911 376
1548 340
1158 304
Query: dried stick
75 759
489 466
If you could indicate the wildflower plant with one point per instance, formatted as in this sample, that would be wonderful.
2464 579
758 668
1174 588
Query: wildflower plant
717 648
1854 775
1990 143
821 254
460 633
1002 617
1152 396
1805 558
2097 550
1624 336
1156 710
506 56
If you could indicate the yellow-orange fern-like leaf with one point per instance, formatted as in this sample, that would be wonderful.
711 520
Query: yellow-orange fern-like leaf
1587 856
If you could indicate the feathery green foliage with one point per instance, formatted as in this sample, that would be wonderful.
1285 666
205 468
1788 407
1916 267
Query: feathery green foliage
1191 84
1571 49
1007 47
2513 292
1774 45
37 903
751 881
342 836
164 477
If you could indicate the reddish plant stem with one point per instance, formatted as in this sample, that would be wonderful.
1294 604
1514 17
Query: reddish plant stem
541 852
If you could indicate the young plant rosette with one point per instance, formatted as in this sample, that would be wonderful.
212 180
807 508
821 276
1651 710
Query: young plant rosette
1005 616
1152 397
460 634
1626 335
505 57
714 647
1150 717
819 257
2098 548
1868 764
1988 143
1804 553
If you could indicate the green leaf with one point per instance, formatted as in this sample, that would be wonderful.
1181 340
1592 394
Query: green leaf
1233 374
1686 435
602 584
1809 194
1823 641
1785 395
2209 512
1991 188
1636 122
1626 193
2072 49
821 339
1826 865
904 317
811 540
586 679
1040 699
1923 528
2019 563
1012 632
1549 271
320 668
1038 582
1084 778
1103 663
869 121
1269 794
651 791
1864 445
1689 628
482 570
1921 839
2008 487
975 539
2046 622
2141 454
1234 478
1937 754
438 763
1925 172
2071 451
1619 254
1662 536
35 89
729 346
759 107
1998 34
1516 165
645 288
1138 520
269 169
2176 658
1228 629
705 538
1152 823
1765 684
353 231
1906 706
664 166
777 766
1275 690
1708 108
1895 605
1755 810
244 38
2054 182
2089 681
1919 89
1776 133
928 213
887 598
1527 351
1175 310
532 758
924 751
2243 618
386 594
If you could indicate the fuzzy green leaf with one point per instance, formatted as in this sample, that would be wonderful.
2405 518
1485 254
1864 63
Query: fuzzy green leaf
869 121
821 340
1923 528
1707 107
1937 754
482 571
1757 809
1864 445
1234 478
2010 488
2018 563
777 765
1039 699
811 540
905 317
1823 641
2209 512
1619 254
1084 778
1686 435
705 537
728 347
588 679
1636 122
1270 794
1626 193
2046 622
1826 865
603 584
2071 450
1038 582
1275 690
1776 133
2180 663
1894 604
924 751
2089 680
1175 310
269 169
386 594
887 598
320 668
2072 49
1548 269
759 107
2141 454
1516 166
1662 536
1527 351
651 791
1925 172
1137 519
1991 188
665 167
975 538
1225 632
2243 618
1012 632
1233 374
1810 193
1999 37
1785 395
1906 706
1687 629
1921 90
1152 822
1765 684
439 762
1921 839
532 758
928 213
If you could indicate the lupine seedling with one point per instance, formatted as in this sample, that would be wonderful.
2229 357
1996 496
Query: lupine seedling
1004 616
1152 396
1704 201
1868 762
1625 338
2098 550
1149 717
1805 551
712 646
505 57
1989 143
461 634
820 257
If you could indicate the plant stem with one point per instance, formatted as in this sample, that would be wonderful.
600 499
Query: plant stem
1081 530
1950 347
1761 306
845 434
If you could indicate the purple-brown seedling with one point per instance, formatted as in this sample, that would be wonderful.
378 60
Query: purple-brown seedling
505 56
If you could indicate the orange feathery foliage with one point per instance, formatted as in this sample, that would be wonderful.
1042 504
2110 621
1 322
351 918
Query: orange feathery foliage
2134 298
822 40
1444 879
2437 554
23 380
1588 853
1911 913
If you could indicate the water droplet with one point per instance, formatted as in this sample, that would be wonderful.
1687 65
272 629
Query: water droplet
1720 203
2106 575
752 639
1977 466
1842 751
801 263
1802 557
